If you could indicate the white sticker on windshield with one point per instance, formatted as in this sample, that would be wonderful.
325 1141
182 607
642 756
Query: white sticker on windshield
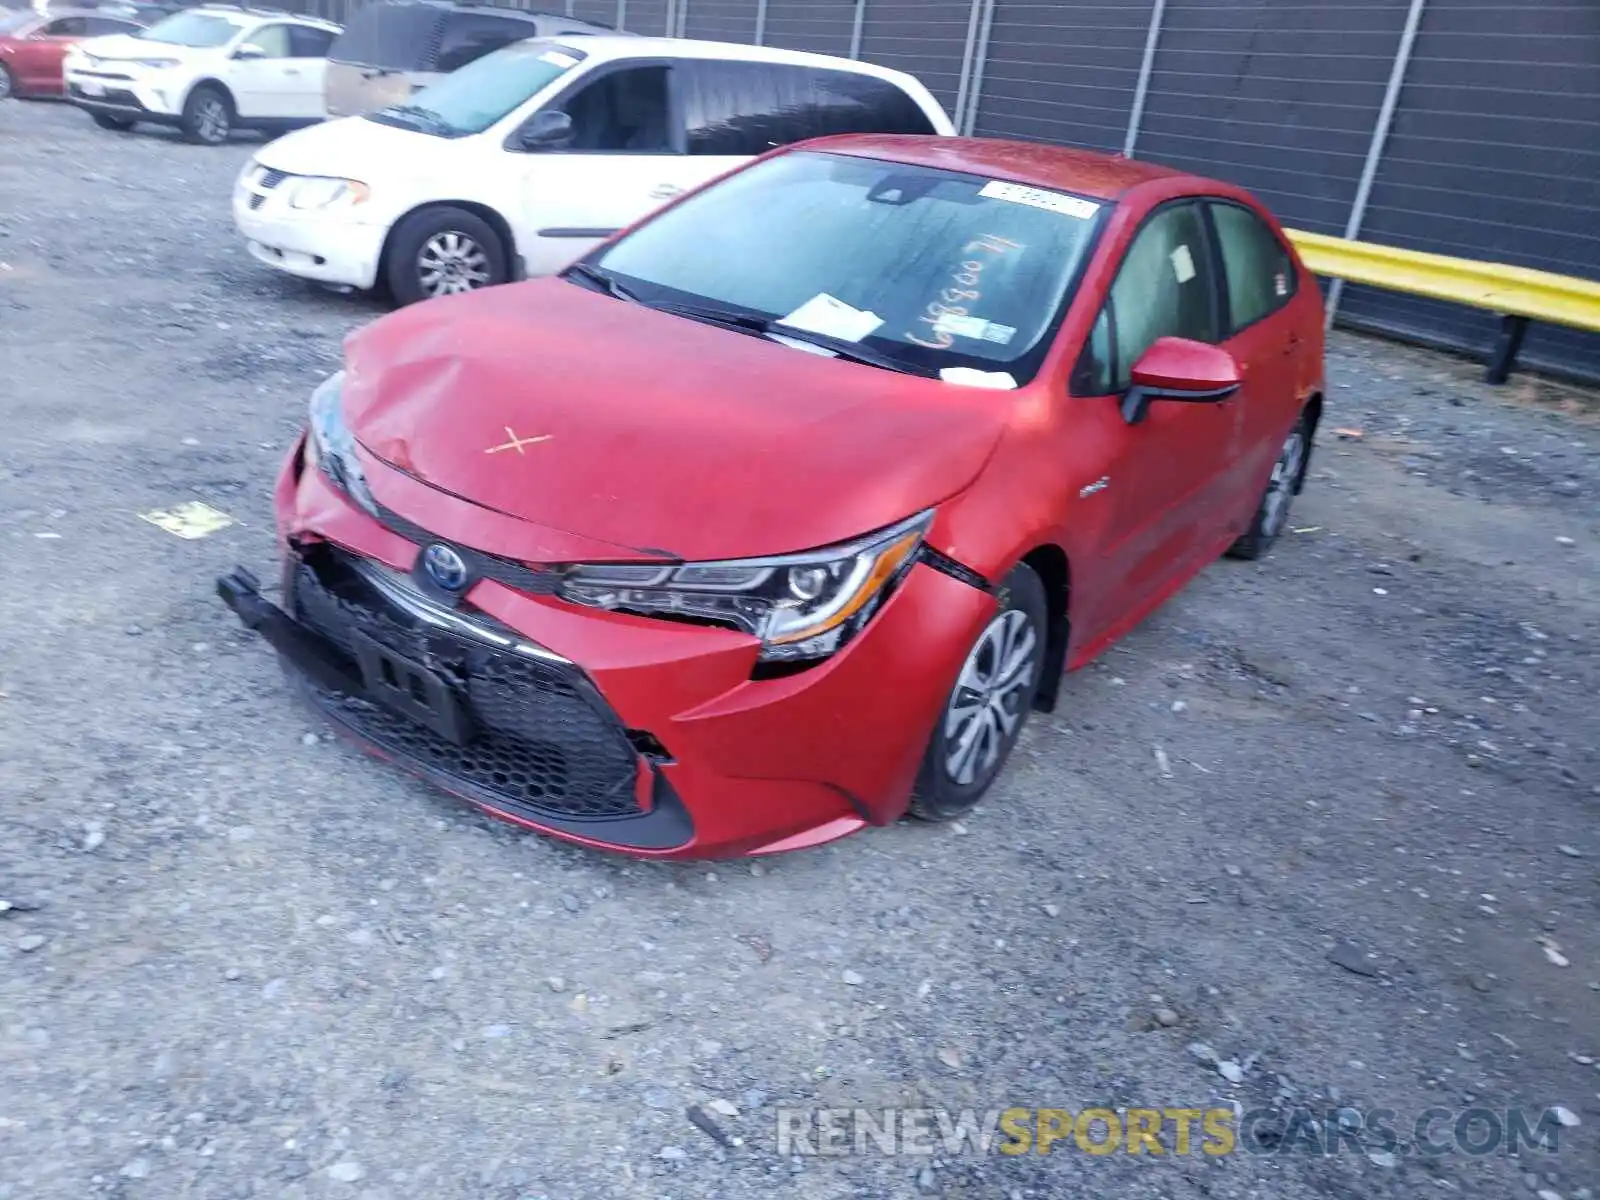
1056 202
972 377
557 59
1182 264
832 317
974 327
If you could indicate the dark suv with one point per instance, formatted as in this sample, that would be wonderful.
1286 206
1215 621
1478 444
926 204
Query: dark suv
392 48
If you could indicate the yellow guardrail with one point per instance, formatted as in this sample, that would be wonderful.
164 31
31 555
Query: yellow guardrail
1519 294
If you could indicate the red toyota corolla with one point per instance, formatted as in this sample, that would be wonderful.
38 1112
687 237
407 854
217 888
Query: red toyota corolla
774 516
32 46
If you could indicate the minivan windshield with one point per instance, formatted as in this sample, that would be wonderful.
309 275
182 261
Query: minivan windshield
482 92
922 269
197 30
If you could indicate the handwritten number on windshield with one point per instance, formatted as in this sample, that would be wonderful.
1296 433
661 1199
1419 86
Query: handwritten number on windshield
956 301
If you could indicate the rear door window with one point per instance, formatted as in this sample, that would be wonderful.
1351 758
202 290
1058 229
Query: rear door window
745 108
1260 273
308 42
856 103
469 36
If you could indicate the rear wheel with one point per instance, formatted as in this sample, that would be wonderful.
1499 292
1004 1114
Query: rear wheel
985 711
107 121
207 115
441 252
1272 514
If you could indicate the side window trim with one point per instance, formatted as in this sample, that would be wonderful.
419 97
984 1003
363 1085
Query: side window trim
1219 310
1211 204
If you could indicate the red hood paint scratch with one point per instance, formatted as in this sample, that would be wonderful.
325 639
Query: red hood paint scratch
659 433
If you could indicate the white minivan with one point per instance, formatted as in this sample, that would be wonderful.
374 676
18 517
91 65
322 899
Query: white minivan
519 162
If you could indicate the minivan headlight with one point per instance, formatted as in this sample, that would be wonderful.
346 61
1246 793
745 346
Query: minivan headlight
317 193
330 446
801 606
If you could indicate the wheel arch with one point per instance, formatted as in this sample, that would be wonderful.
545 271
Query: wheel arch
210 81
484 212
1050 563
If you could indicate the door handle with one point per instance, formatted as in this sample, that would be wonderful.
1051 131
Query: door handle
665 191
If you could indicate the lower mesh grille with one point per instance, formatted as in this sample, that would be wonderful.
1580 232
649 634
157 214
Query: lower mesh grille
544 739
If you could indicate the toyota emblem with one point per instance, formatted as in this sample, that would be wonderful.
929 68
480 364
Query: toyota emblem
445 567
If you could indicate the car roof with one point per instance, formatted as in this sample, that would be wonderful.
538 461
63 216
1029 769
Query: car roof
622 45
1066 168
262 14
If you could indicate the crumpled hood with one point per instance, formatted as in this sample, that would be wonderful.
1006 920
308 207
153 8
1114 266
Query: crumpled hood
354 148
611 421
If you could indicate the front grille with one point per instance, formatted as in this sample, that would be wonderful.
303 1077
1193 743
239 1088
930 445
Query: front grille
256 200
544 739
271 177
535 581
117 96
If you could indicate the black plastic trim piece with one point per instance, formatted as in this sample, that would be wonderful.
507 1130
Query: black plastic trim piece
946 565
562 231
318 663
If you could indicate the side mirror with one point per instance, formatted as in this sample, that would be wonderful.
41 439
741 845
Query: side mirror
249 51
1176 368
546 130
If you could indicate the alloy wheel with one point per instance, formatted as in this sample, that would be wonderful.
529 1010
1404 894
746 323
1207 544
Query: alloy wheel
451 262
1280 489
986 706
211 119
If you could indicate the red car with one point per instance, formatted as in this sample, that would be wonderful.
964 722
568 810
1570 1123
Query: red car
32 46
774 516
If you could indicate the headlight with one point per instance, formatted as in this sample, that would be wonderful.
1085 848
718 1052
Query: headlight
312 193
155 64
800 605
330 446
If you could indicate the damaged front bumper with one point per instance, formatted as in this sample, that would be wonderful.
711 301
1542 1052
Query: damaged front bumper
621 732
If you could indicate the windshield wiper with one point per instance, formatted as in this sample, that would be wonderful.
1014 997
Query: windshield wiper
605 279
422 116
754 323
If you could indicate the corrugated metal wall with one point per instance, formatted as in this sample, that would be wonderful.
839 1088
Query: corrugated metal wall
1494 151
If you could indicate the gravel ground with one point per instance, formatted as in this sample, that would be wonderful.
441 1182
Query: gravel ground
243 959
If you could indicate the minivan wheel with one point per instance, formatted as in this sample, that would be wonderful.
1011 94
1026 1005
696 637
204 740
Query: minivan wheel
443 251
985 711
207 116
107 121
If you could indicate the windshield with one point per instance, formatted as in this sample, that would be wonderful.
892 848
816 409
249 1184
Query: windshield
198 30
482 92
930 268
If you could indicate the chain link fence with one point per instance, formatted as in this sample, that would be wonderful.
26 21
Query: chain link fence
1465 127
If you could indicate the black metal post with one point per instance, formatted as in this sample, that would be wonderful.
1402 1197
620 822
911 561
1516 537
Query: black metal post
1506 348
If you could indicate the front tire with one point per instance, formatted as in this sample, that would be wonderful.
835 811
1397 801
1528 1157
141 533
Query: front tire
8 85
107 121
985 711
1288 475
443 251
207 116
